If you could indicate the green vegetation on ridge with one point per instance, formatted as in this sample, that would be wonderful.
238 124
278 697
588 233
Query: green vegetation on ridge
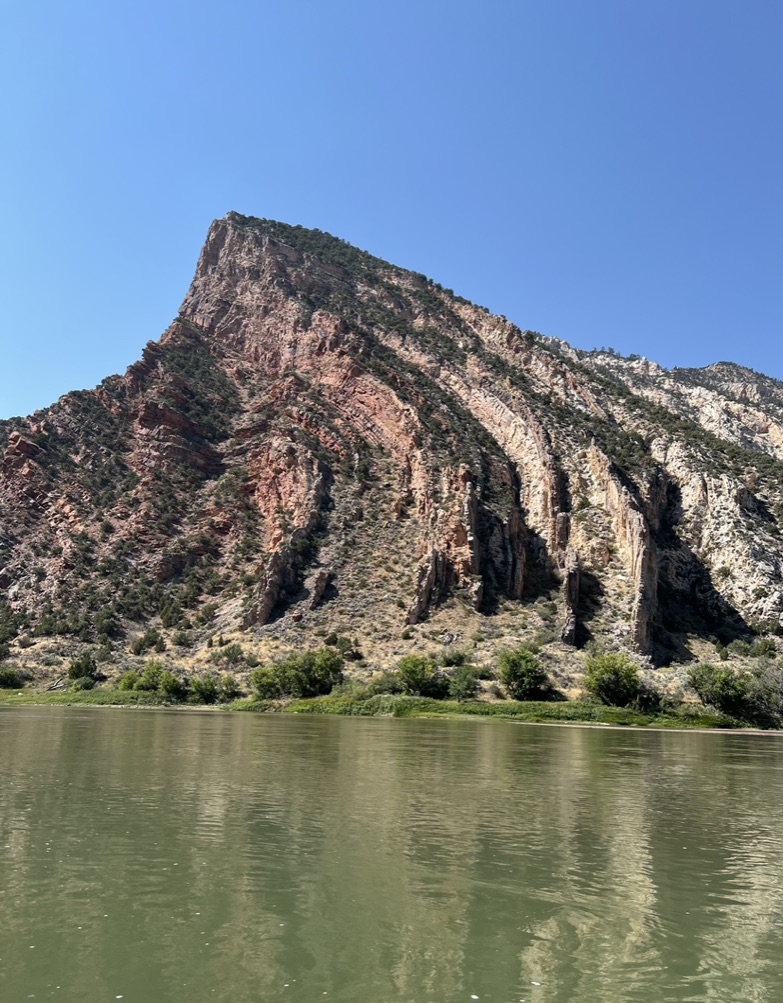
313 682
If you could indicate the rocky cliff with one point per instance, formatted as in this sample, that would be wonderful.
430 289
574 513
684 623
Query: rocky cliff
323 442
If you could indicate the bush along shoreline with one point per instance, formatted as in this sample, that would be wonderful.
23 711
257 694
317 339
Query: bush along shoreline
517 688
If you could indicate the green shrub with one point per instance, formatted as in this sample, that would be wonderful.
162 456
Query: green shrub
613 678
105 653
231 654
149 680
384 682
311 673
150 639
348 649
228 689
764 648
765 692
83 667
539 640
300 674
356 689
454 658
10 679
464 683
172 686
83 683
523 675
128 680
773 627
170 612
266 683
207 614
205 688
722 688
419 678
649 700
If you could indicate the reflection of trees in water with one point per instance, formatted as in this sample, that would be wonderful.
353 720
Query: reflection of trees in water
401 860
599 938
684 895
716 857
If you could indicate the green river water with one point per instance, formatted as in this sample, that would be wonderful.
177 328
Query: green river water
163 857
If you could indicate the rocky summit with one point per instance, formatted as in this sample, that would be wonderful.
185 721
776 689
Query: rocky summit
323 443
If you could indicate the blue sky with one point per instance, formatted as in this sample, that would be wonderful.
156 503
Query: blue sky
607 172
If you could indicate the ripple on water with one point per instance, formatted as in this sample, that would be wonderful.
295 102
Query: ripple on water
386 861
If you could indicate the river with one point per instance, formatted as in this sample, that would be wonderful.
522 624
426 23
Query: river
163 857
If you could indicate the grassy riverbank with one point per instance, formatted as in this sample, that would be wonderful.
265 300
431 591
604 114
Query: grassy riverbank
99 697
572 712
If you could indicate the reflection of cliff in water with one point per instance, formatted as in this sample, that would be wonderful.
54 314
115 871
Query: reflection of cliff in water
394 860
665 866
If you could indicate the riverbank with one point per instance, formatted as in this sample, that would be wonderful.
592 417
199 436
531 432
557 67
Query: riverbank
534 712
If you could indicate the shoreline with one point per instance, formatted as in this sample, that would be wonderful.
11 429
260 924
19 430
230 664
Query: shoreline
568 713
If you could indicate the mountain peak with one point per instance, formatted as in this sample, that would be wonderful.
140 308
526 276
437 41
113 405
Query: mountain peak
324 442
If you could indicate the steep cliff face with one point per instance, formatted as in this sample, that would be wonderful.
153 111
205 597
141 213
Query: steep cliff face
322 441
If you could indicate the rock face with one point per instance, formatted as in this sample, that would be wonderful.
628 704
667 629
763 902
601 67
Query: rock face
322 440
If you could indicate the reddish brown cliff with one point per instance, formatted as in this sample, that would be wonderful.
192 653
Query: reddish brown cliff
322 441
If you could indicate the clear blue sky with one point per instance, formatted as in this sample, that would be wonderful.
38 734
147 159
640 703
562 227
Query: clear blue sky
608 172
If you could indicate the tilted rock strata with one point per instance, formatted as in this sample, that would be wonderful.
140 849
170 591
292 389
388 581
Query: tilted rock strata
322 438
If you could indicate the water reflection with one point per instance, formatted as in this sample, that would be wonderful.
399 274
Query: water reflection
208 856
